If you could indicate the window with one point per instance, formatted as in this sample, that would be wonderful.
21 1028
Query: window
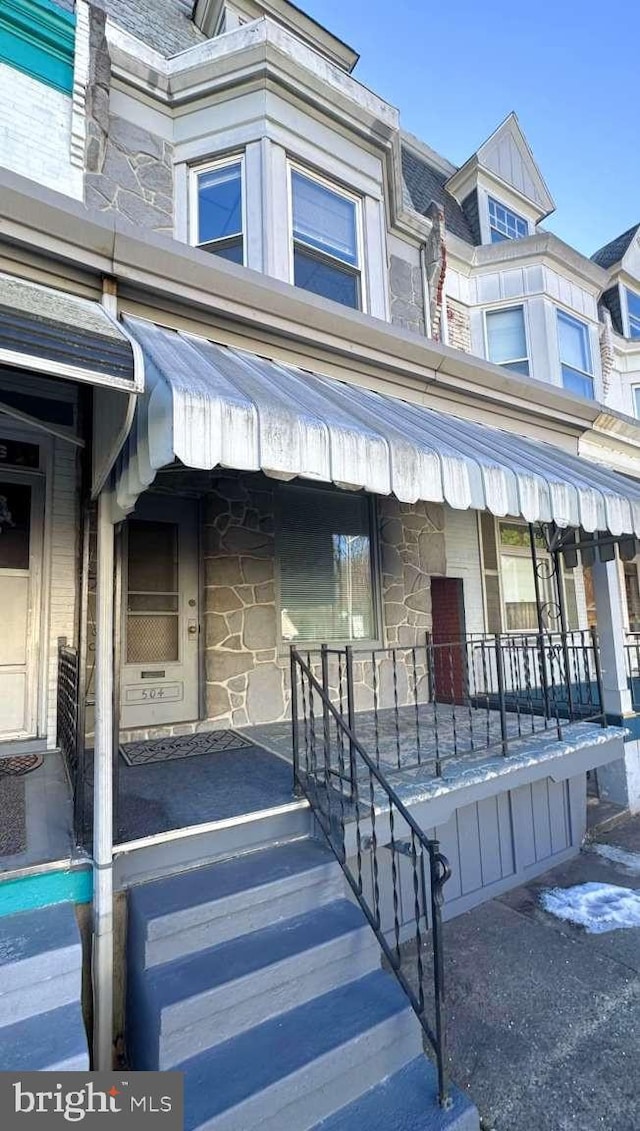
518 583
219 221
575 355
632 590
324 549
326 254
636 400
633 310
504 224
507 340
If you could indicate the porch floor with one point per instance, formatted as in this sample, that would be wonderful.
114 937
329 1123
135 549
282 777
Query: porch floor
36 812
158 797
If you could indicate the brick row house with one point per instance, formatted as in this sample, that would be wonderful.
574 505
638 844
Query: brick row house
318 508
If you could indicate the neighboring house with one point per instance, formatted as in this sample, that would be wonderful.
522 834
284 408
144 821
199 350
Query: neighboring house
275 374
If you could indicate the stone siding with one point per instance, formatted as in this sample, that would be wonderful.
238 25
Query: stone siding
128 169
246 667
458 326
407 295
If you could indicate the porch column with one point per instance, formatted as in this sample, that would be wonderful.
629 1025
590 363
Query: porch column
609 605
102 971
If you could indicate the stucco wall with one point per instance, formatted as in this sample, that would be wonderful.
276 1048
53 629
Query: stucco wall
407 294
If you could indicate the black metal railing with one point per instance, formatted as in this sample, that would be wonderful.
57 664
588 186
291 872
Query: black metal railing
70 730
395 871
632 660
429 704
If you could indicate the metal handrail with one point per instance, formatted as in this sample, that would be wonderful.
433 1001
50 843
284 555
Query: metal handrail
334 787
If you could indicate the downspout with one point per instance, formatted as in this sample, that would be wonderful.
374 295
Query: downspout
103 948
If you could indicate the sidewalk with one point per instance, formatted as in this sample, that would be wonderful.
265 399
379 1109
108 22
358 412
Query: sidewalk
544 1018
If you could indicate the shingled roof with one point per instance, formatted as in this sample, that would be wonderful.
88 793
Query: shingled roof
165 25
424 183
613 252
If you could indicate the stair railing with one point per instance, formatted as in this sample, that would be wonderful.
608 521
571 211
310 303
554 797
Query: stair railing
397 873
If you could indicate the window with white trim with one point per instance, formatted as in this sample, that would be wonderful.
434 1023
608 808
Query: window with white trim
218 208
633 312
325 557
505 224
575 355
636 400
325 239
507 339
519 608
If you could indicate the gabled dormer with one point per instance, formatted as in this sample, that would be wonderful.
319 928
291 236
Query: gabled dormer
214 17
500 188
621 258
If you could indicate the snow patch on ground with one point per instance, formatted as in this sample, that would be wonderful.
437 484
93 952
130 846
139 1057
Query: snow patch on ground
596 907
628 860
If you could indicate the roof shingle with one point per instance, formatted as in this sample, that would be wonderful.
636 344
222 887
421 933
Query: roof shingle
613 252
165 25
425 183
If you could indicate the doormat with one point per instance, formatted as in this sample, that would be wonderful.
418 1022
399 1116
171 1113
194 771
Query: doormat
17 765
13 816
182 746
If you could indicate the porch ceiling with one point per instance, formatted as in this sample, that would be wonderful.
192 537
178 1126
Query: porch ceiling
212 406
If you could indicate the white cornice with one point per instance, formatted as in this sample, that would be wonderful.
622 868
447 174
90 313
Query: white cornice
541 245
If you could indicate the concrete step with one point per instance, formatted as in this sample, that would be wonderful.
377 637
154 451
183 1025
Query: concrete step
406 1101
40 962
194 1003
298 1068
55 1041
198 909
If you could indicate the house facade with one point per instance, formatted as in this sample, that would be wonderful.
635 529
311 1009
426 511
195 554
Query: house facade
300 425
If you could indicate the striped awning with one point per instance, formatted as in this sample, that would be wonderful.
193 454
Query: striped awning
212 406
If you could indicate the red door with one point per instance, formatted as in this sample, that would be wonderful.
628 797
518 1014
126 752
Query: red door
447 633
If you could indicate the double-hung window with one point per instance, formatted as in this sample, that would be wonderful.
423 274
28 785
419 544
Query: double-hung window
218 216
325 226
575 355
324 551
633 312
505 224
519 587
507 339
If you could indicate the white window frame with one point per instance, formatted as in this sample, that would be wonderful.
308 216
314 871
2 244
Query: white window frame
635 395
525 322
628 316
195 172
516 215
571 317
524 553
339 190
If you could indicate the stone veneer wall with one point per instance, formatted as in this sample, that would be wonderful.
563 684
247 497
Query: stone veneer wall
128 169
246 667
407 295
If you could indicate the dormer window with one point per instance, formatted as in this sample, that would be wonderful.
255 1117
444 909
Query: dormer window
325 239
505 224
218 217
633 312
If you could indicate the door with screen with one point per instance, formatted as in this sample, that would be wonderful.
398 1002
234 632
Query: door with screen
20 538
161 622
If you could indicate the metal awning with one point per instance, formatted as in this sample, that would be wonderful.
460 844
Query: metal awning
213 406
61 335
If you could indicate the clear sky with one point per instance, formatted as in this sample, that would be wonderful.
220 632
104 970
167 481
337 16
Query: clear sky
569 68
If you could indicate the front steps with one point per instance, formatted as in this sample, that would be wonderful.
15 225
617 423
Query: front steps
257 978
41 1024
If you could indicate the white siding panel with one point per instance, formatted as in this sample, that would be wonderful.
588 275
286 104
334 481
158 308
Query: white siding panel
463 560
64 522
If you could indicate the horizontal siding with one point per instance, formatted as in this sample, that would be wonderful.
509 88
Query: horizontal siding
63 550
463 560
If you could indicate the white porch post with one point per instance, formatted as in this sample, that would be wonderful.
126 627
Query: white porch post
609 605
102 972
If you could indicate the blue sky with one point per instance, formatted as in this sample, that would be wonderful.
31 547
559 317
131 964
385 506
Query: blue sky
455 68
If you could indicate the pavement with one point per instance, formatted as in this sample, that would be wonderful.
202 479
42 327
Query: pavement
544 1018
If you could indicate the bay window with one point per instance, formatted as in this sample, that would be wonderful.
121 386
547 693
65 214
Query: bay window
575 355
218 209
507 339
325 237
